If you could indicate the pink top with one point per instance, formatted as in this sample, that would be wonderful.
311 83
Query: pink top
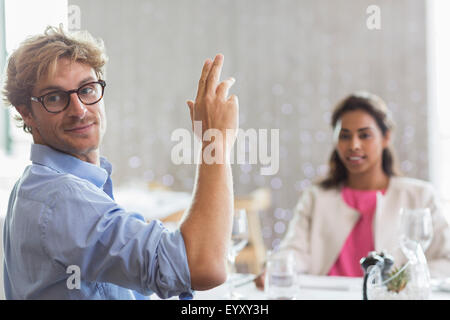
360 240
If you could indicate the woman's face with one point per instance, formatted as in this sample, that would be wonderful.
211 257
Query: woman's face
360 142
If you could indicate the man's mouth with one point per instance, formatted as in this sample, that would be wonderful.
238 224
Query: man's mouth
81 128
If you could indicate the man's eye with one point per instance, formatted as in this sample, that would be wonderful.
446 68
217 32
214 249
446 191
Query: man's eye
53 98
87 90
364 136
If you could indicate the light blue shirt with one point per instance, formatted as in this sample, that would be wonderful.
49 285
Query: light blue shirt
62 217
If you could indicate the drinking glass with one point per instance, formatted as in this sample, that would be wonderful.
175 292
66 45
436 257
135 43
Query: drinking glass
415 227
239 239
280 281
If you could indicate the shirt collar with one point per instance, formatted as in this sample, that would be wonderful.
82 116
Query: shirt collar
65 163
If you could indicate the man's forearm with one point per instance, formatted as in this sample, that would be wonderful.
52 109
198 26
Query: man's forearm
206 226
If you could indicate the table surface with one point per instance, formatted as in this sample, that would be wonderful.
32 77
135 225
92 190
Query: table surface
309 288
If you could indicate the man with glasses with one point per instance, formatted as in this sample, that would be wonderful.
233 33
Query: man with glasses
65 236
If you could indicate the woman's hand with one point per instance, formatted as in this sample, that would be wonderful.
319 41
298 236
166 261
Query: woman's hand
259 280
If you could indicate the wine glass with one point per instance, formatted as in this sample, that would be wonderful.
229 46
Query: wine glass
416 227
239 239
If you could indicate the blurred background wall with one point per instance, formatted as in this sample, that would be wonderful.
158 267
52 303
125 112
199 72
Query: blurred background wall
293 60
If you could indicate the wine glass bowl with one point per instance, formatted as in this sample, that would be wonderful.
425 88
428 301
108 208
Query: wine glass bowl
415 227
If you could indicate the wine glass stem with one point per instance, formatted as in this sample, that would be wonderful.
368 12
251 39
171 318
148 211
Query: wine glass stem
232 258
232 263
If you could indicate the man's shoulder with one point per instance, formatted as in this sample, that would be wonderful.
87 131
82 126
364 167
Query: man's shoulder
40 183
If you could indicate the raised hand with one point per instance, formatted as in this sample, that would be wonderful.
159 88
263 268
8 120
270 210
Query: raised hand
212 105
206 225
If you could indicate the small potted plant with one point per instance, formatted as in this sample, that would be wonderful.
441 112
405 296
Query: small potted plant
398 279
410 281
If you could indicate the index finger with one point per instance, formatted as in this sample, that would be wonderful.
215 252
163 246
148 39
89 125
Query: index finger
202 82
214 74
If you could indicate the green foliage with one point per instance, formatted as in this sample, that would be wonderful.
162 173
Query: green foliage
399 279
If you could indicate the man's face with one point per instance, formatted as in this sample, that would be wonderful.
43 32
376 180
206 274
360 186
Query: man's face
79 129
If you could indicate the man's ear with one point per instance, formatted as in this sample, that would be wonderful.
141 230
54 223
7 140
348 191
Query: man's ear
26 114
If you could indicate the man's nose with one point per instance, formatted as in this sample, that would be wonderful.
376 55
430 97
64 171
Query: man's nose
76 107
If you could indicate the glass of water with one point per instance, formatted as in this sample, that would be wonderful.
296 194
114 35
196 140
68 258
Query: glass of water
280 282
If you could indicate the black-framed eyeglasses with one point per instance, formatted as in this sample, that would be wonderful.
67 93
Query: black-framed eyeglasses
59 100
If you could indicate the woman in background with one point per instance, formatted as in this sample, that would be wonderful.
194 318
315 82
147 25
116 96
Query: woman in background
355 209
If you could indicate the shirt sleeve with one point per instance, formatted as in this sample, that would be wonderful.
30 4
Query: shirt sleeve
84 227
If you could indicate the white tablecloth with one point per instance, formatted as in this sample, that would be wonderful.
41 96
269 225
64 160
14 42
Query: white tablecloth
309 288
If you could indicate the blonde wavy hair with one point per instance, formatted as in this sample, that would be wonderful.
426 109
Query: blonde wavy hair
36 58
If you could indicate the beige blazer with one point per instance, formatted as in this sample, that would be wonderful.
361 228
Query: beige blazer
322 221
